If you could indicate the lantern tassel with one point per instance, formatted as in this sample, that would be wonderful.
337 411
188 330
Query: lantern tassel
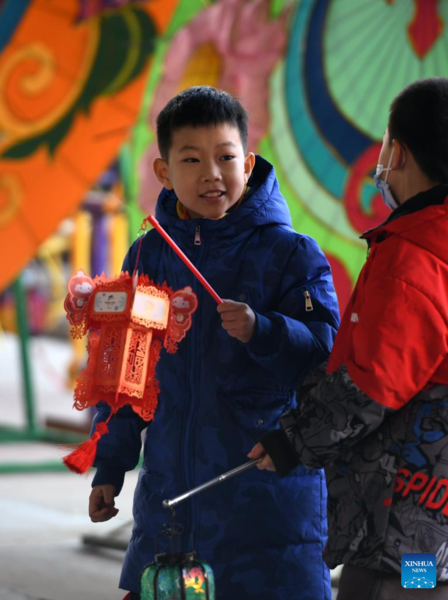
81 459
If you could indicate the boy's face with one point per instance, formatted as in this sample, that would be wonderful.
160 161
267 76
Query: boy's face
207 168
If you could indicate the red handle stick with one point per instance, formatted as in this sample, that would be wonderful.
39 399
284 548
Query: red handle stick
182 256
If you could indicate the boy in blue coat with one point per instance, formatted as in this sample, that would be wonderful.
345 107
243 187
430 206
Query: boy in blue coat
236 371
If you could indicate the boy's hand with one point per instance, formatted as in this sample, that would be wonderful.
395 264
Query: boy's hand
238 319
102 503
258 452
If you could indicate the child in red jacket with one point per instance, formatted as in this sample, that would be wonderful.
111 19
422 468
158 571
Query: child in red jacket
377 416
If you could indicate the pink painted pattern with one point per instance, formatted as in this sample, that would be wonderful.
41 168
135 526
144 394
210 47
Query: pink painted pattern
249 42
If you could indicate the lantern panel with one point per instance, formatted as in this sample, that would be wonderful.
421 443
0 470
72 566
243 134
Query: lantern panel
198 580
136 356
136 359
151 307
110 355
110 302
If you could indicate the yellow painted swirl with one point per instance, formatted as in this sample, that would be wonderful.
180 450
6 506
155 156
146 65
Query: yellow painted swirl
11 188
14 125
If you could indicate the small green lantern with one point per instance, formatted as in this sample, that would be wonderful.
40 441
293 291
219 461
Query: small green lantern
177 576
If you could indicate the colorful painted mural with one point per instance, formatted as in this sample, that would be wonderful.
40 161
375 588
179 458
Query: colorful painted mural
317 77
72 74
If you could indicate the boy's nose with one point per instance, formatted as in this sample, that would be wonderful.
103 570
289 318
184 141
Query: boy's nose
211 173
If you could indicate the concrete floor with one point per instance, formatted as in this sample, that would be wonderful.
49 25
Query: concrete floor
43 515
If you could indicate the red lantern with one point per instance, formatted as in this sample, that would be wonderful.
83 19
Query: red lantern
126 331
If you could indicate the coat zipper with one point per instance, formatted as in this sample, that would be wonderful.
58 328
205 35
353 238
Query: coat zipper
308 304
197 236
188 441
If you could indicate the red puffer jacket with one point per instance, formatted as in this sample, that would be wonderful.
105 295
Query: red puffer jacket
393 338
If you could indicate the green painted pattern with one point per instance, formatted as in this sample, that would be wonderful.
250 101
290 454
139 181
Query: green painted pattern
352 257
369 58
321 204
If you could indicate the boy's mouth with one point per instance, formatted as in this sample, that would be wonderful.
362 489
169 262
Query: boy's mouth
213 194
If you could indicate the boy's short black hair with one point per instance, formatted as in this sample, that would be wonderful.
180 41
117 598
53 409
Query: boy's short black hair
419 118
200 106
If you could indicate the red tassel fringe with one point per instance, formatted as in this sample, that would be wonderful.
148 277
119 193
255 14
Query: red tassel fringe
82 459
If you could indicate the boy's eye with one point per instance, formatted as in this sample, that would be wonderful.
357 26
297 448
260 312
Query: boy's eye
190 160
227 157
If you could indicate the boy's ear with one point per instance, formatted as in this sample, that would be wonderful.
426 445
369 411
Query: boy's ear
160 167
249 163
399 155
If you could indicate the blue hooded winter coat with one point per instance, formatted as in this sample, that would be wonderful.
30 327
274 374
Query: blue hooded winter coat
263 536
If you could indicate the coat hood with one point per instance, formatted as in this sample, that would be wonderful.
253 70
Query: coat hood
264 204
422 220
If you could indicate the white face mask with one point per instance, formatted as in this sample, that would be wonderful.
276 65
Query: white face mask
383 185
